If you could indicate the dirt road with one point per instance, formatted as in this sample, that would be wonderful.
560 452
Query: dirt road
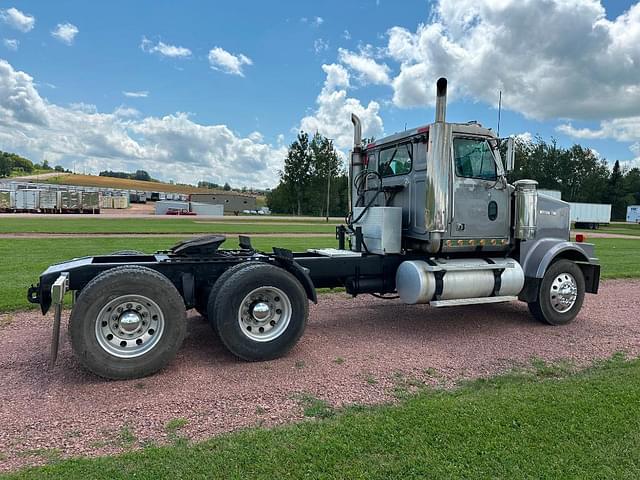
354 351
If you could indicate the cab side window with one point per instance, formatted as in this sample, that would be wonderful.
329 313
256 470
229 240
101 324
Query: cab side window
474 159
395 160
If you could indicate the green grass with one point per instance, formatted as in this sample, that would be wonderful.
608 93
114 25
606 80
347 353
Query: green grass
23 259
620 258
526 425
83 224
618 228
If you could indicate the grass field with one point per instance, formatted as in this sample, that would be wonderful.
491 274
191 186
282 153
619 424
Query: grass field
545 423
24 259
617 228
98 224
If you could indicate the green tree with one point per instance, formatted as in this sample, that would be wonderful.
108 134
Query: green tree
616 194
226 187
297 172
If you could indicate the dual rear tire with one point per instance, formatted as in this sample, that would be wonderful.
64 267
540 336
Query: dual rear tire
130 321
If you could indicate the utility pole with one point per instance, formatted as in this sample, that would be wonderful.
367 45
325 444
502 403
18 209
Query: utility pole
328 188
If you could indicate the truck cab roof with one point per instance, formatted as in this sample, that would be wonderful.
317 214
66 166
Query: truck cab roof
469 128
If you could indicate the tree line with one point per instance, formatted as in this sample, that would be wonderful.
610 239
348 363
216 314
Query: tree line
12 163
577 172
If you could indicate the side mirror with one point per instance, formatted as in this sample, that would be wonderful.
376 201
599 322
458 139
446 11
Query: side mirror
511 151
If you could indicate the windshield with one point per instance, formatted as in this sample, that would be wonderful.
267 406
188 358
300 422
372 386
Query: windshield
474 159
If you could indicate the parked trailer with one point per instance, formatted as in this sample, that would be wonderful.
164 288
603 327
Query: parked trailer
27 200
106 202
162 207
91 202
7 200
633 214
50 201
70 201
590 215
467 238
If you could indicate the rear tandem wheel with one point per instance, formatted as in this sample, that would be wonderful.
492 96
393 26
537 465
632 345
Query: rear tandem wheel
260 311
129 322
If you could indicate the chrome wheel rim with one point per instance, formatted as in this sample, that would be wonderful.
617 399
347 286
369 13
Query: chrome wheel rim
563 292
129 326
264 314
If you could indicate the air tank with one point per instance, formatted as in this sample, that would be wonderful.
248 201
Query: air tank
416 280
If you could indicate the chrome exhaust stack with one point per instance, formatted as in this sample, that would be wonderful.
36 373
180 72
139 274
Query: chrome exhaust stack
436 214
441 99
355 167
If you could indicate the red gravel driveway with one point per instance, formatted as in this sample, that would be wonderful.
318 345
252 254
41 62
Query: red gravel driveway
354 351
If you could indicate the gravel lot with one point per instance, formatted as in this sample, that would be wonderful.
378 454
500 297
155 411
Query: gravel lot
354 351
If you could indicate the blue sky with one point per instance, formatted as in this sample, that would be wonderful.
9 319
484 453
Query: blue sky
221 87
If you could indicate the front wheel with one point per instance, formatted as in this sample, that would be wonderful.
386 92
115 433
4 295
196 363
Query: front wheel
129 322
561 294
260 312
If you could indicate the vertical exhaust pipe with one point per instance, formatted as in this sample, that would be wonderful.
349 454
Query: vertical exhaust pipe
437 213
357 129
441 99
355 167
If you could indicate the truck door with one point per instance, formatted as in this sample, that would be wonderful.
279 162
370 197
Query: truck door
480 198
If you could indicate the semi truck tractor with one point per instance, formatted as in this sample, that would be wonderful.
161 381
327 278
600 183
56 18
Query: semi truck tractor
433 220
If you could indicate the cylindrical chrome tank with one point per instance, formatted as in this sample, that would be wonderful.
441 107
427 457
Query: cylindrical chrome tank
526 209
416 282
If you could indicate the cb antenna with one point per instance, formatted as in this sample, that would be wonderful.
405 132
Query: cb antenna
499 111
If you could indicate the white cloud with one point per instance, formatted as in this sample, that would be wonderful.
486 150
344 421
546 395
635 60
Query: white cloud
369 71
621 129
65 32
136 94
17 19
320 45
346 35
332 117
226 62
314 21
11 43
166 50
524 137
556 58
170 147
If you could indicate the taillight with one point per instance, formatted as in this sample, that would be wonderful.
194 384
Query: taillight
580 237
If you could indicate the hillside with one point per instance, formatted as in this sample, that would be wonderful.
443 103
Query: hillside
127 184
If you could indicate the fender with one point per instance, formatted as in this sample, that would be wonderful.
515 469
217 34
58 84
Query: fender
286 260
540 256
536 257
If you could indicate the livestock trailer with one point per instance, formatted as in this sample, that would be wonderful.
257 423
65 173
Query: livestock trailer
7 200
50 201
28 200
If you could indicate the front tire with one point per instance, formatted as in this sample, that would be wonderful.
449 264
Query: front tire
561 294
260 312
128 323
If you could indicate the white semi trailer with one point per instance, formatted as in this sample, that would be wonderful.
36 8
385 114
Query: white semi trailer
590 215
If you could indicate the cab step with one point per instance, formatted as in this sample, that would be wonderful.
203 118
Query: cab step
472 301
